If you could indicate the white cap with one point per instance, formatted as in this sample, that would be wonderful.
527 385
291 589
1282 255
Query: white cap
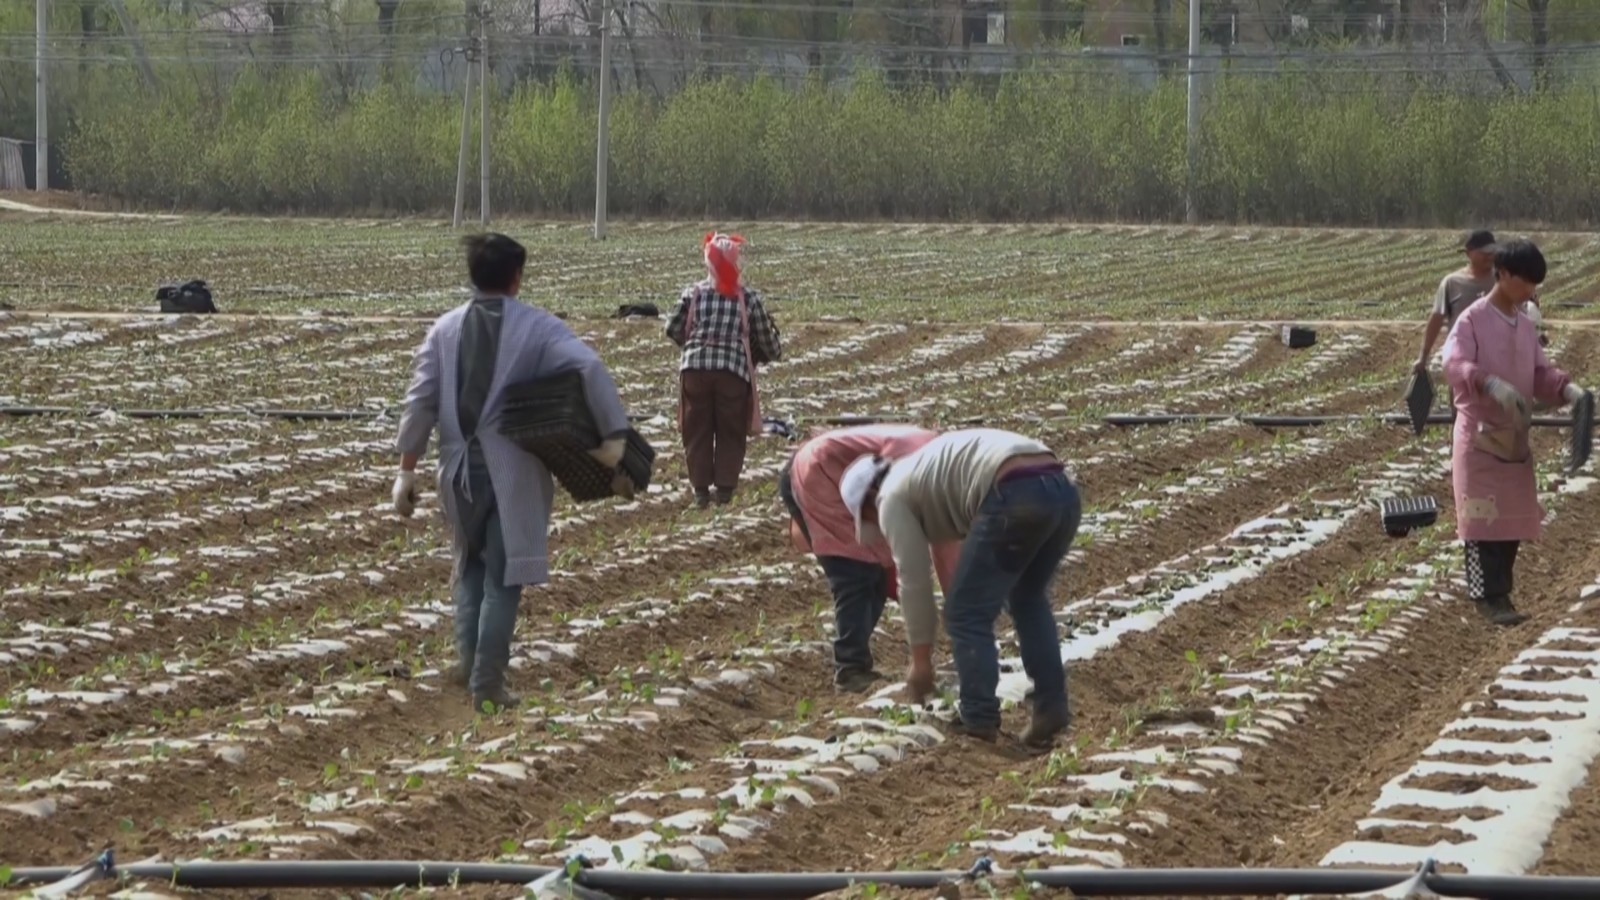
855 484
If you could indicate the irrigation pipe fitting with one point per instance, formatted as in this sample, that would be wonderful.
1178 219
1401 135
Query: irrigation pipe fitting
561 884
628 885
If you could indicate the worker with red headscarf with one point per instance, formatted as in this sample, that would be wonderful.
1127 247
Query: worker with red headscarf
725 332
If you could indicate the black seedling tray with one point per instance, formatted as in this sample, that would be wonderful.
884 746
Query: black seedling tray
581 475
1402 514
1582 438
550 419
1419 400
1298 338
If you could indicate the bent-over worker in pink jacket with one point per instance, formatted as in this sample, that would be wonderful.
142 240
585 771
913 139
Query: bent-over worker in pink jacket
1496 367
862 579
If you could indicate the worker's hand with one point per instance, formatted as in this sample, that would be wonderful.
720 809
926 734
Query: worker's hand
1509 399
797 538
405 493
621 484
609 453
1421 368
919 681
1572 393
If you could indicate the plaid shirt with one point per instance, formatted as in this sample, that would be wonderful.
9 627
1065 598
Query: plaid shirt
717 340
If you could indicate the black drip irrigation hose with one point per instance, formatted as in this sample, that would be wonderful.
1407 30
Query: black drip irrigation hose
1127 420
1301 421
296 415
324 415
327 415
628 885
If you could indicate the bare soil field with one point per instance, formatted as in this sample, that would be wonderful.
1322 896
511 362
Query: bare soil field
218 642
71 259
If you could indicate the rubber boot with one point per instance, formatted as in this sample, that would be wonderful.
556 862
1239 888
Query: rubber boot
1499 611
500 701
702 498
988 733
855 681
722 496
1044 727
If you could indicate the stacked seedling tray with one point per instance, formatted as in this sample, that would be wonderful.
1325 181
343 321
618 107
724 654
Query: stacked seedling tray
550 418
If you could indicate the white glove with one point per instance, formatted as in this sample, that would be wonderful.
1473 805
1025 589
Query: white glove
405 493
609 453
1572 393
1512 402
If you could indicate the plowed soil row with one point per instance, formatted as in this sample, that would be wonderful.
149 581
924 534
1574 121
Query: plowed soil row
568 595
622 648
765 614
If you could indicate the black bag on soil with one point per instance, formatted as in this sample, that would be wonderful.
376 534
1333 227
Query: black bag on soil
550 418
644 310
1582 432
193 297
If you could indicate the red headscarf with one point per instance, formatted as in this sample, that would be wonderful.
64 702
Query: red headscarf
724 254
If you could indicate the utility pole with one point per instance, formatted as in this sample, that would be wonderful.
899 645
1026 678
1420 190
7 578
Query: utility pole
1191 212
483 114
461 155
131 29
602 150
41 98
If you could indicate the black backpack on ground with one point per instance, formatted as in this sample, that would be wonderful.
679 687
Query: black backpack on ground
645 310
193 297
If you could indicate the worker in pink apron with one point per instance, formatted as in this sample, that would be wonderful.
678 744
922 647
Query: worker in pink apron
725 332
1498 370
862 579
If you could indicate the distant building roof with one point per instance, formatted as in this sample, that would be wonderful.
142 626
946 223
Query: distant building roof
244 17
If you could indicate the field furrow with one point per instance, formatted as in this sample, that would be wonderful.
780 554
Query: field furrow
217 641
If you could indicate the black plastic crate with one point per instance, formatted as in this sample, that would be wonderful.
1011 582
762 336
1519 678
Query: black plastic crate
1403 514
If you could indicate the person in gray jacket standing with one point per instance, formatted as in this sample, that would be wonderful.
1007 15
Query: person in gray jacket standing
496 496
1015 509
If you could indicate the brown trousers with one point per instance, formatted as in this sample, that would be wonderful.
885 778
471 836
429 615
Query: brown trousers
716 426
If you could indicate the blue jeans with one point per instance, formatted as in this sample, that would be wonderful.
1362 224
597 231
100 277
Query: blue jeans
486 607
1008 560
860 593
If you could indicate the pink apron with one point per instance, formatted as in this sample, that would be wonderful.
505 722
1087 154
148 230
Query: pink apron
818 465
1492 472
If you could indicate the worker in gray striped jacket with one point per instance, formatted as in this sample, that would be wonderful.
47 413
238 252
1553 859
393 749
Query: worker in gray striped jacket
496 496
1015 508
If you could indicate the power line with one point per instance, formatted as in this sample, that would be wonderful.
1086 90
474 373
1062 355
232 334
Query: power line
659 65
1364 54
1556 20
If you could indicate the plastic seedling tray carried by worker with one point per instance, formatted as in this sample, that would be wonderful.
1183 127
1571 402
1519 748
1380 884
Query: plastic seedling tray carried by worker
1419 400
